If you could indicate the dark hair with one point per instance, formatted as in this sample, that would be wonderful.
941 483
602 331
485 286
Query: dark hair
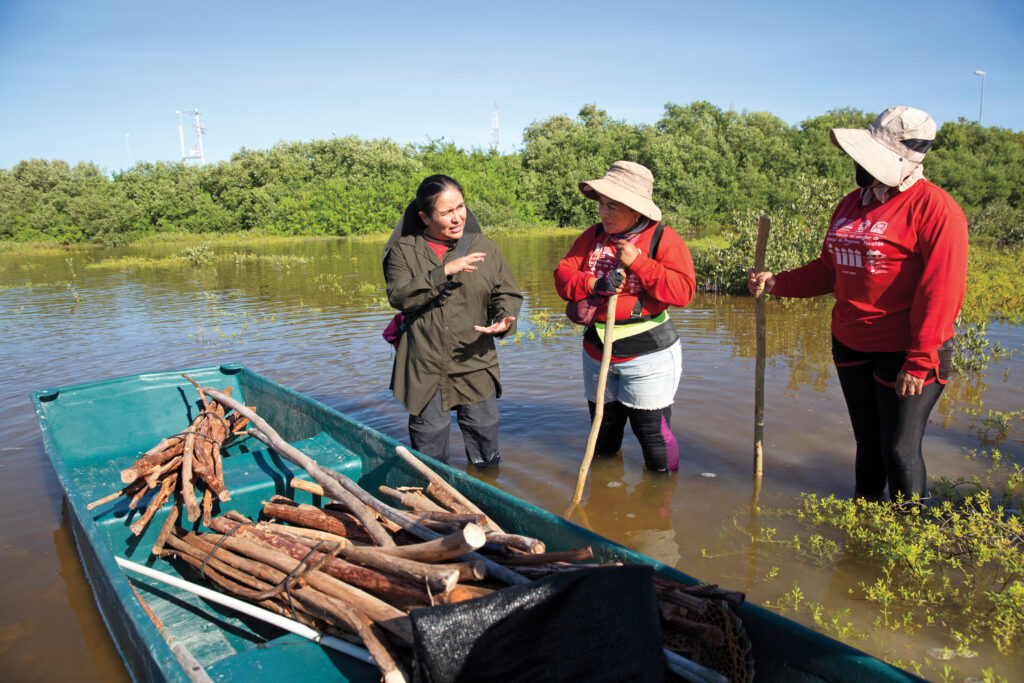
433 187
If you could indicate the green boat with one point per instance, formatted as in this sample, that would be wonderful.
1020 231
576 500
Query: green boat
92 431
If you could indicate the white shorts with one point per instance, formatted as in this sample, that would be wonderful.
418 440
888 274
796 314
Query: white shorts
647 382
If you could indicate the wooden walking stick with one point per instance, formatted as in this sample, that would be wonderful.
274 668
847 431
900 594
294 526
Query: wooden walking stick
763 226
595 426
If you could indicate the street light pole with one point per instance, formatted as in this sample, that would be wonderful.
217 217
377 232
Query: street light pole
981 103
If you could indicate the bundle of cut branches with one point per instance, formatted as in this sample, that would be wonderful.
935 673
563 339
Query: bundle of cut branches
181 463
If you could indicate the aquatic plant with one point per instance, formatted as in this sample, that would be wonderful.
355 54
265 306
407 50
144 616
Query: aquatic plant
199 255
995 428
958 563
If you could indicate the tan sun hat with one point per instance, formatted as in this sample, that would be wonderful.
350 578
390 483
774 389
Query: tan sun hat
892 146
629 183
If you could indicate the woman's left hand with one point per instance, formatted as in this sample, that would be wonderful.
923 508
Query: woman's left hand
908 385
495 328
627 252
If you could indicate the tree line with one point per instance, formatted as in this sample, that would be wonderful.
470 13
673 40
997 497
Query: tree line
713 169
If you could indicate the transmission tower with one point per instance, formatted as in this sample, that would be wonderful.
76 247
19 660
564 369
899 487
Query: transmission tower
495 133
193 152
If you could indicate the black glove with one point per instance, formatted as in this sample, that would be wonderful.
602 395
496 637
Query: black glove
606 285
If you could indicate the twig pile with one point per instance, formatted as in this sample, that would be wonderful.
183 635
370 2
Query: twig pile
181 463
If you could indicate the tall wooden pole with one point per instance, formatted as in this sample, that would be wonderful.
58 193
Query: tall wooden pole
595 426
763 227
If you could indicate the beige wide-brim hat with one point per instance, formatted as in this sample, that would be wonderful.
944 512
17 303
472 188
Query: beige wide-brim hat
892 146
628 183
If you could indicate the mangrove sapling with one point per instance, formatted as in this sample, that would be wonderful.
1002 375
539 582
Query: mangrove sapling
995 428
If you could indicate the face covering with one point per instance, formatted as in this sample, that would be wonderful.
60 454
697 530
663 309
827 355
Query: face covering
864 179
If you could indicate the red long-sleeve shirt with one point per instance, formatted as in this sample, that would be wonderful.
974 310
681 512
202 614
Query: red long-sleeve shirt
667 280
898 271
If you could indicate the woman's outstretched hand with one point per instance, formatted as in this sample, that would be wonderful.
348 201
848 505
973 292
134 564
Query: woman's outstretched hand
497 327
758 282
464 264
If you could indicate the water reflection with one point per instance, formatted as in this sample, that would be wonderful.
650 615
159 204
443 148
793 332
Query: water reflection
97 647
637 512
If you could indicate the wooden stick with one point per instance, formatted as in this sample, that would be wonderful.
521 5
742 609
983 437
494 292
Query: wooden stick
202 396
129 490
547 558
471 537
166 489
473 570
188 492
152 477
309 487
467 591
389 617
154 457
763 228
308 599
435 479
192 668
454 518
312 517
165 530
525 543
366 517
414 499
494 569
595 425
264 432
379 582
435 576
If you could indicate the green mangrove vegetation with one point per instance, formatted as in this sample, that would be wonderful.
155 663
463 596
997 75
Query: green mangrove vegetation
711 165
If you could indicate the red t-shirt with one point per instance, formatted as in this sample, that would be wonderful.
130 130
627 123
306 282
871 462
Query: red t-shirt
898 271
666 280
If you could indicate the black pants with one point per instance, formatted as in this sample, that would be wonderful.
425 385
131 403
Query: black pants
651 427
429 431
888 429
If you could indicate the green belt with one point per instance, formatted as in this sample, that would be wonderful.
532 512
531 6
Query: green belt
631 329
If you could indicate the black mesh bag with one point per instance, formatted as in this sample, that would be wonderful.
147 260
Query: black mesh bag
597 624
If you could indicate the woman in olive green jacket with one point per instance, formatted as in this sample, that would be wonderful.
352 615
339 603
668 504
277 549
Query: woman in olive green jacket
455 298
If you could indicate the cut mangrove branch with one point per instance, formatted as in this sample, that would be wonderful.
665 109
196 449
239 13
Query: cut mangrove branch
264 432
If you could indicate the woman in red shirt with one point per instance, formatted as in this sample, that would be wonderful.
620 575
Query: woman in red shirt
895 256
630 253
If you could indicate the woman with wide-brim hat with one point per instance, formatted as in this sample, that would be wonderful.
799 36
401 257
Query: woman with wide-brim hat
895 256
629 252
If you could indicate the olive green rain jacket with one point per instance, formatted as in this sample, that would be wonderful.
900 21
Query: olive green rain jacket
439 349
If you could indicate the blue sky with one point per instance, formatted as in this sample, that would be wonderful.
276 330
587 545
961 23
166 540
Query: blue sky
77 77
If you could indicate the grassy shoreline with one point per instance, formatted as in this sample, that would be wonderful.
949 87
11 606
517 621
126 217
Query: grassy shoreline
255 238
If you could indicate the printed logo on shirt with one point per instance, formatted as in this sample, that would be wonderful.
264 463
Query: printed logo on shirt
854 244
851 255
851 226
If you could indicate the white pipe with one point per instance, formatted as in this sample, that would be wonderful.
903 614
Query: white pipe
284 623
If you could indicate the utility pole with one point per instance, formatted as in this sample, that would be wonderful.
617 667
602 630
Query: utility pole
193 152
128 146
495 134
181 136
981 102
199 134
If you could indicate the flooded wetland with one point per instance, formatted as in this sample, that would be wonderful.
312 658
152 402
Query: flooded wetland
309 314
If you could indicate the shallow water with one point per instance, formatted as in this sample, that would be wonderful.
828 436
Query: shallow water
309 315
